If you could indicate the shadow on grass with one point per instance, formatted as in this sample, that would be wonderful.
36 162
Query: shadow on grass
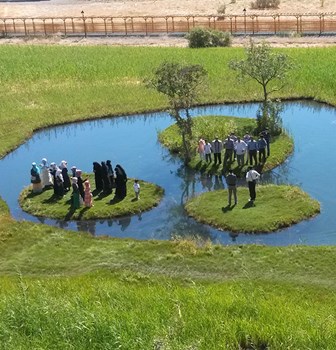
69 213
115 200
102 195
249 204
82 212
53 199
228 208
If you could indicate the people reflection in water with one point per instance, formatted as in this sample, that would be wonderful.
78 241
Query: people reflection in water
124 222
209 182
86 226
219 184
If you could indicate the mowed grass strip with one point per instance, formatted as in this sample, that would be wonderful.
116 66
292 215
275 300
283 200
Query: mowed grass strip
45 204
210 126
139 311
276 207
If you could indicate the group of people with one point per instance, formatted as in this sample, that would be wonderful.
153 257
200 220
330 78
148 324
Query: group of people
236 148
251 178
45 176
57 176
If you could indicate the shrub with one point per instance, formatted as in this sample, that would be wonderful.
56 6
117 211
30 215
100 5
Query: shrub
201 37
265 4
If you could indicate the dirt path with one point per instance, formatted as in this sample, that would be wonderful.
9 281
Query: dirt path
166 41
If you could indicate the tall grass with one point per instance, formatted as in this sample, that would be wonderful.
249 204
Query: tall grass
44 85
135 311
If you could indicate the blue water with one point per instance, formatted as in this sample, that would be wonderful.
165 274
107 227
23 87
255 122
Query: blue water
132 142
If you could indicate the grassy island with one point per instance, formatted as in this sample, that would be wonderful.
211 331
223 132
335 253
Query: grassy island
46 204
210 126
276 207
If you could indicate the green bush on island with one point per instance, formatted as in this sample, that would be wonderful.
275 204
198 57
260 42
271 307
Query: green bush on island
210 126
45 204
276 207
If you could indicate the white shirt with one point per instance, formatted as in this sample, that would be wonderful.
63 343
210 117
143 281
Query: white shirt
207 148
136 187
240 147
252 175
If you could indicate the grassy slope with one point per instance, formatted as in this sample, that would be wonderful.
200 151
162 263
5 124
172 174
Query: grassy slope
281 296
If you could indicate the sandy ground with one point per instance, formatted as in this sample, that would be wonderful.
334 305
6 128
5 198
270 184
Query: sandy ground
168 41
59 8
55 8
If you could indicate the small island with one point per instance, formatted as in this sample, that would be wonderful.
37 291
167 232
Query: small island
276 207
210 126
46 204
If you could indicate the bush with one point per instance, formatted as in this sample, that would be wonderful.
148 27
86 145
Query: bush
201 37
264 4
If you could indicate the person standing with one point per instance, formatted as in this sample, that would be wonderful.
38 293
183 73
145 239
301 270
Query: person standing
267 137
251 177
252 148
66 179
200 148
75 194
35 178
217 149
240 147
207 151
229 148
231 181
136 187
262 144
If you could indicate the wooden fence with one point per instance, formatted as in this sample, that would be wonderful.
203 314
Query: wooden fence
316 24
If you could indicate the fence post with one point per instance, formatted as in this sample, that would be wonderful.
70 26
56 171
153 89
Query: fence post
84 23
146 30
44 27
104 19
64 26
244 20
125 19
34 28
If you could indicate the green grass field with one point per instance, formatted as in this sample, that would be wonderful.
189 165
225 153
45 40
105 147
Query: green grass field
68 290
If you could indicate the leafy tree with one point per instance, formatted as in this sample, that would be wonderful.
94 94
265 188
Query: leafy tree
182 85
264 66
267 68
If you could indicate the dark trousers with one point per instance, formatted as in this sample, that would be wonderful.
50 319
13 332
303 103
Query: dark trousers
262 153
252 186
208 157
217 157
228 155
253 155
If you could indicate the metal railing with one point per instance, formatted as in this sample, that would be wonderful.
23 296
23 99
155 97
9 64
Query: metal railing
146 25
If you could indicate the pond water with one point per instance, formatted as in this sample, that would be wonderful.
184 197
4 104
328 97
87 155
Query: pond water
132 142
